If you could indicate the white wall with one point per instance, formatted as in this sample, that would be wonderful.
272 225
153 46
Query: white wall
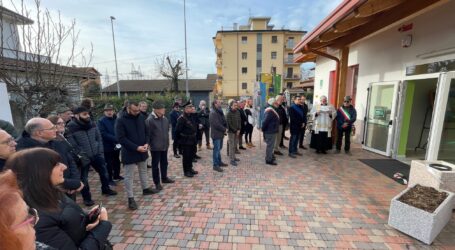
5 110
322 76
382 58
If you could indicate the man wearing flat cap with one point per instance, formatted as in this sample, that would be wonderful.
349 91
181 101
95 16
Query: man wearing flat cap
158 129
346 116
106 125
173 116
185 134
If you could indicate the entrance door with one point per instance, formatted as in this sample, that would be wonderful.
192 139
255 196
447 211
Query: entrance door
380 117
441 143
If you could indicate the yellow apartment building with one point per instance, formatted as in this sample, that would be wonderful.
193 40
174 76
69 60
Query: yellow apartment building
246 51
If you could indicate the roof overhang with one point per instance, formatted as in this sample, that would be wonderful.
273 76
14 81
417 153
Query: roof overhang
14 17
353 20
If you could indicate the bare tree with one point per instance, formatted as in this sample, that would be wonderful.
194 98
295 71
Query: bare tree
172 69
38 69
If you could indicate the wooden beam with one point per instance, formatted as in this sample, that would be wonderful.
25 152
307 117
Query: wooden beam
380 21
318 45
373 7
330 36
343 73
350 23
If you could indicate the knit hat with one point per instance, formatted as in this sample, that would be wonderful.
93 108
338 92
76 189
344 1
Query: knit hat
79 110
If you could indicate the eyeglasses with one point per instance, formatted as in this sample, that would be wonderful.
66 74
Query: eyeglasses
347 101
51 128
32 219
8 141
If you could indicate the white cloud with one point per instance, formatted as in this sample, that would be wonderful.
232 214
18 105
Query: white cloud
145 29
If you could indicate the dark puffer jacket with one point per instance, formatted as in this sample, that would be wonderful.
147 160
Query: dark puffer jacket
204 116
65 229
71 175
86 137
132 133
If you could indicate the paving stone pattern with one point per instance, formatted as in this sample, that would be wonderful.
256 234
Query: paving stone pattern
311 202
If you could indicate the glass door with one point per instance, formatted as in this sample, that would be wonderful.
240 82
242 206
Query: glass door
380 117
441 143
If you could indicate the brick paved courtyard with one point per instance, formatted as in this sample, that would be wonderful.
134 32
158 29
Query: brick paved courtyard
314 201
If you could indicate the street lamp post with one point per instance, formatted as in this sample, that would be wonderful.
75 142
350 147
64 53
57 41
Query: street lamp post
115 56
186 52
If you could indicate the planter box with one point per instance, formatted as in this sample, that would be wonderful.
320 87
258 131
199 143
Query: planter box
424 175
418 223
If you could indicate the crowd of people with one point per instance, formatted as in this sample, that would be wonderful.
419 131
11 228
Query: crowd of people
47 165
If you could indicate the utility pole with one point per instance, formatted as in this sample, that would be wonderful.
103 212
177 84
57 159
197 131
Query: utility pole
115 56
186 52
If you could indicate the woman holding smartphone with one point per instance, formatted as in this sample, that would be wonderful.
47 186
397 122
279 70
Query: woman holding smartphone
62 224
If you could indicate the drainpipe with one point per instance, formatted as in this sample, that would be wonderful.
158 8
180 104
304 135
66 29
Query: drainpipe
337 70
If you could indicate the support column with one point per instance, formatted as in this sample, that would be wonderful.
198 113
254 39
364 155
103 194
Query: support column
342 76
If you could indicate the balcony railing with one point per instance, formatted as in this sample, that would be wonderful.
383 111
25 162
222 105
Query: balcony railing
289 46
219 52
291 77
25 56
289 60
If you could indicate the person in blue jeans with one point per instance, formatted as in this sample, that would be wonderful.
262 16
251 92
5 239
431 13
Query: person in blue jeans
298 120
218 126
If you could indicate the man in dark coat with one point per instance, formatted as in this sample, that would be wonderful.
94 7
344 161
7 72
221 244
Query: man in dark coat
185 133
158 127
40 132
111 146
297 122
7 147
270 128
134 137
203 113
305 113
346 116
173 116
284 114
84 135
233 121
243 123
197 124
218 125
283 120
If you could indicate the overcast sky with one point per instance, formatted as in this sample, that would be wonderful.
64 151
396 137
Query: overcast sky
145 29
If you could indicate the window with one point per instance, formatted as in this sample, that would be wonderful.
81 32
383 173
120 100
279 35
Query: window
244 39
273 54
274 39
290 43
258 63
244 70
273 70
289 85
244 85
244 55
259 48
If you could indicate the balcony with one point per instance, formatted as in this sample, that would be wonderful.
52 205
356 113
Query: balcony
291 77
218 52
290 60
289 46
24 56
